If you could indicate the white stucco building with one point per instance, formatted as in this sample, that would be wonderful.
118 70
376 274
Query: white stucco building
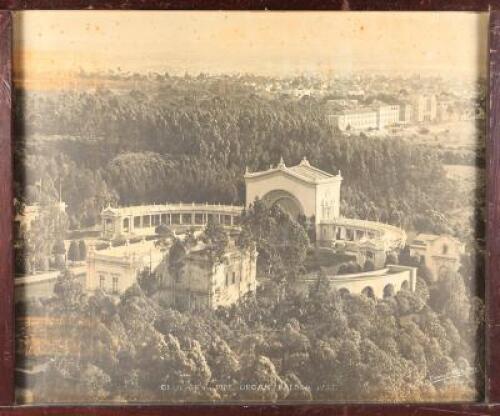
115 269
440 253
142 220
207 285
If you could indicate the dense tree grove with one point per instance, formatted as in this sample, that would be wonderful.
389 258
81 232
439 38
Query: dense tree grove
321 345
189 139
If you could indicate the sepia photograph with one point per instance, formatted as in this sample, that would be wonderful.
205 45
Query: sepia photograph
249 207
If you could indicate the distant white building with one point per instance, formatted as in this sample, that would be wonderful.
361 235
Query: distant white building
367 118
387 115
355 119
440 253
405 111
424 108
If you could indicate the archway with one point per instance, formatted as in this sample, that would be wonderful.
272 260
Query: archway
389 291
368 292
286 201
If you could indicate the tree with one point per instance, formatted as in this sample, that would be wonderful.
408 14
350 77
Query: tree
165 234
68 291
369 266
177 259
83 250
95 383
449 296
391 258
261 381
425 274
148 281
74 251
190 239
216 241
164 231
59 251
281 242
176 265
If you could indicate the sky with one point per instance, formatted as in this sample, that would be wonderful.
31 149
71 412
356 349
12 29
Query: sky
49 43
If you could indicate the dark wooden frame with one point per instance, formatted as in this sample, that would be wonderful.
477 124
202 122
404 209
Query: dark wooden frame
491 404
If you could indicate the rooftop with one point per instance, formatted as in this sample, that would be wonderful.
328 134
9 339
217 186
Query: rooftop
174 208
303 171
424 239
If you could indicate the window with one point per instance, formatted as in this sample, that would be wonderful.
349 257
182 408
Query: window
164 219
227 279
137 222
102 281
234 278
146 221
115 284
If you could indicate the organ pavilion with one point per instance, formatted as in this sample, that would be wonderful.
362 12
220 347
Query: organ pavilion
306 190
298 190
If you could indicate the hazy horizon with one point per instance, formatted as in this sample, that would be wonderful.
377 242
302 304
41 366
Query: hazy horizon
281 44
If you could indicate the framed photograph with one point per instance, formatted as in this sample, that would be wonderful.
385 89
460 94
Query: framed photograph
255 211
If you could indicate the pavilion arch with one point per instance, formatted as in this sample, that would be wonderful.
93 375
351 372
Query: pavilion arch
389 291
405 285
286 201
368 292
